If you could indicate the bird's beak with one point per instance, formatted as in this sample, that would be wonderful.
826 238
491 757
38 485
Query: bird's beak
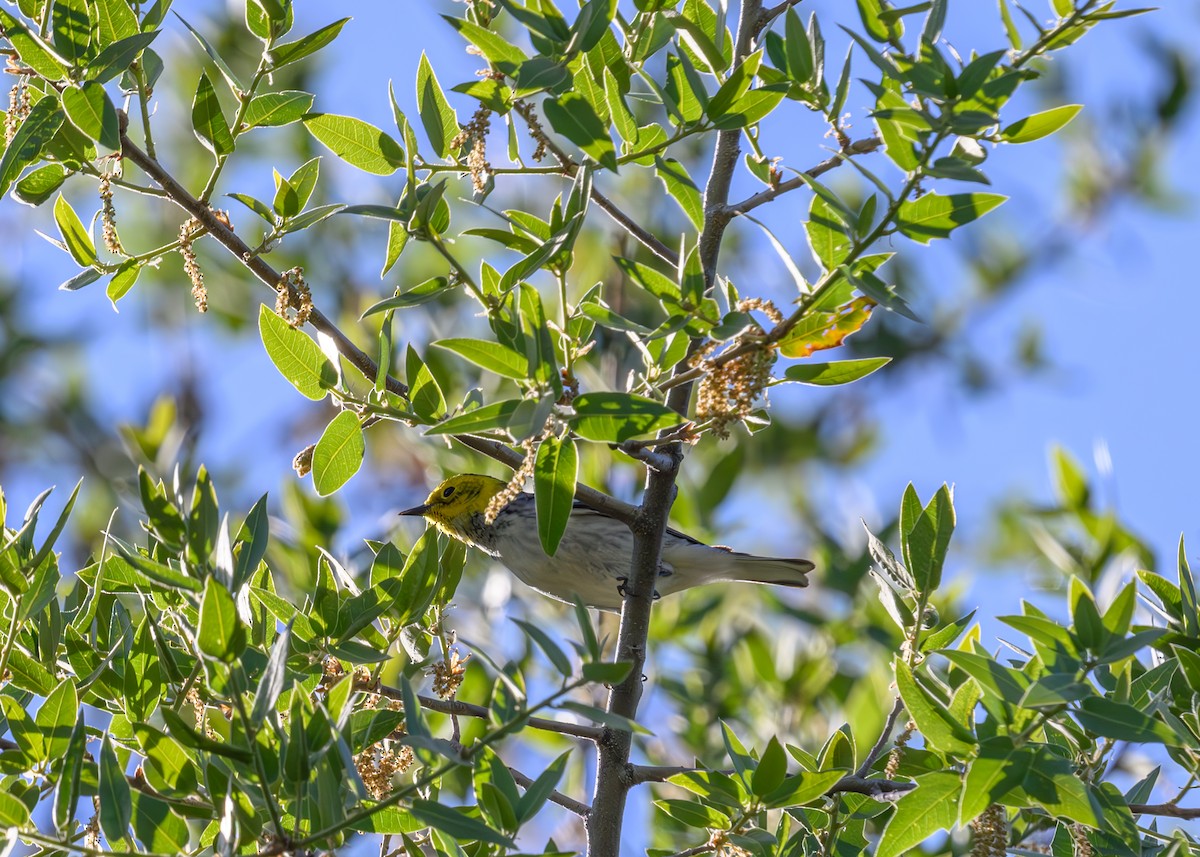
416 510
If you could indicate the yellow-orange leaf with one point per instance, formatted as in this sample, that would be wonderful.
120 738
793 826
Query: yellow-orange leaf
819 331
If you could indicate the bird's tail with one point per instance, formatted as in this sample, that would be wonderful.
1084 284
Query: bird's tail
766 569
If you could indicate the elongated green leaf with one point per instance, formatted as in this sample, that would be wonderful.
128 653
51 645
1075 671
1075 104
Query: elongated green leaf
555 654
300 360
453 822
56 718
1040 125
999 768
1124 722
936 216
681 188
491 356
91 111
835 372
441 125
338 454
33 52
115 20
39 185
572 116
942 732
277 108
119 56
617 417
116 806
494 416
494 47
930 807
209 121
291 52
66 793
154 824
74 233
1053 783
356 142
35 131
554 474
221 634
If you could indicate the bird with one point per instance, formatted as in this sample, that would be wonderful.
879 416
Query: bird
593 558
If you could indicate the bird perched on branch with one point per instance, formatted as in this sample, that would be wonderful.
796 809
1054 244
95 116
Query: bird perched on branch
593 559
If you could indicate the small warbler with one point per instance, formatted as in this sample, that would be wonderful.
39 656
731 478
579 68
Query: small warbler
592 560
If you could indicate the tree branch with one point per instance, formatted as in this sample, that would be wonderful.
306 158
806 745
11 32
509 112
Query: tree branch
613 772
570 804
1169 810
858 147
466 709
884 736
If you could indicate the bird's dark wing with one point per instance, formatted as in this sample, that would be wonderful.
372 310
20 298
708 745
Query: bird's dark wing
580 508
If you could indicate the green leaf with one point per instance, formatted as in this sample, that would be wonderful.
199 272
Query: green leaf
681 188
999 768
1054 784
119 56
56 719
835 372
770 771
157 827
497 415
75 235
277 108
291 52
736 85
221 634
554 474
1040 125
1124 722
32 51
13 812
1004 683
39 185
695 814
492 356
441 125
116 806
24 731
556 655
91 111
232 79
66 793
936 216
796 44
802 788
356 142
454 823
540 789
929 808
122 281
115 20
942 732
572 116
300 360
926 544
495 48
35 131
617 417
209 121
338 454
423 391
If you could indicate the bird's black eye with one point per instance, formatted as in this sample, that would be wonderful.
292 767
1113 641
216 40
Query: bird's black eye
448 492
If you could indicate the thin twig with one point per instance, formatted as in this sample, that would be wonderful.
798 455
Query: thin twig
648 240
568 803
639 774
884 736
769 15
466 709
858 147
